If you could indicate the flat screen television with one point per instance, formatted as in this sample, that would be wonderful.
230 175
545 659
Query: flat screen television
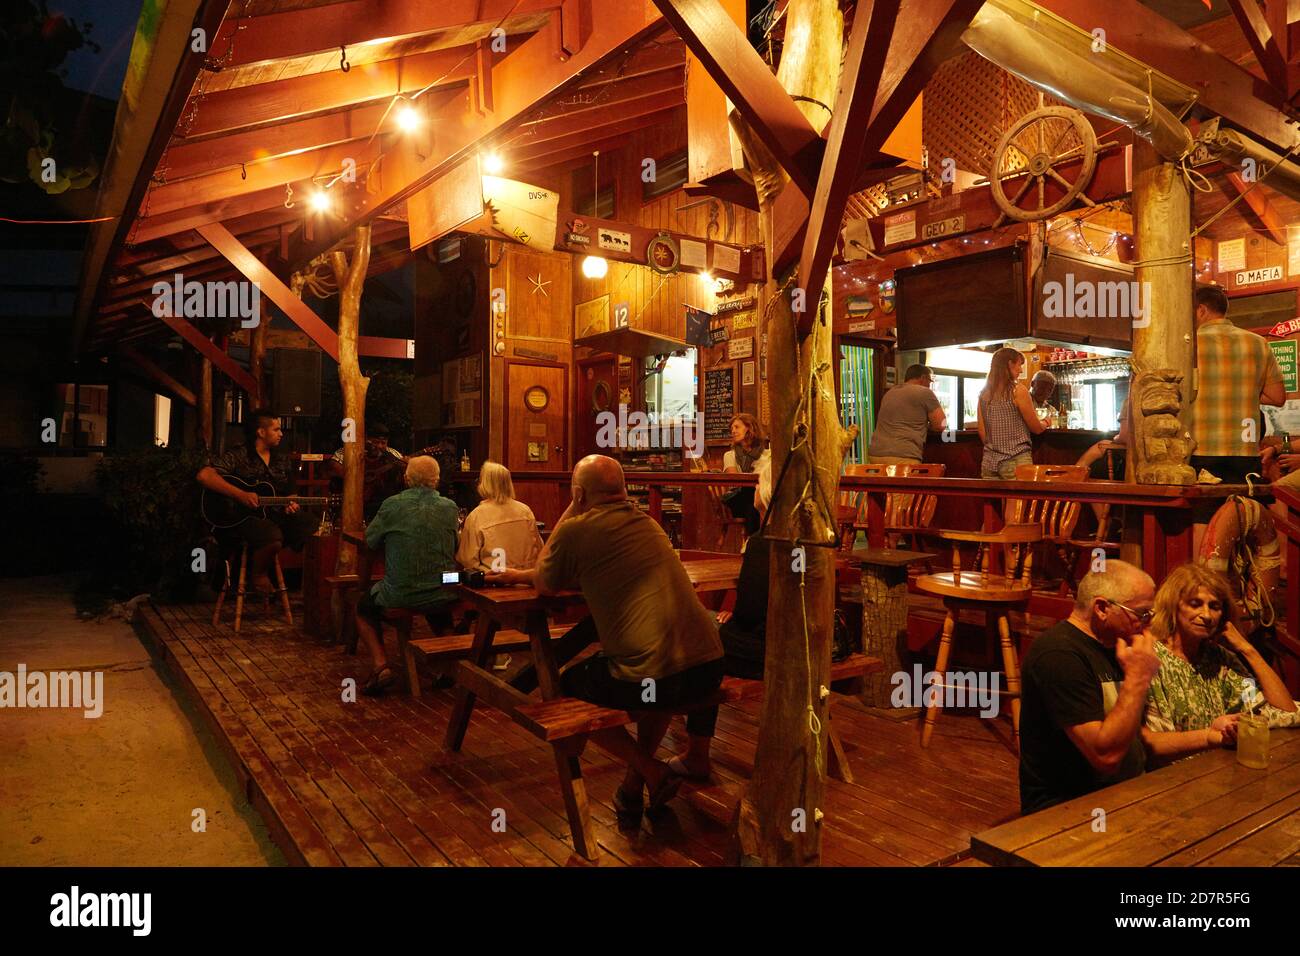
974 298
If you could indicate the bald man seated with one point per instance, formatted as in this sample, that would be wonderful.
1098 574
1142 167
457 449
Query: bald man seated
659 647
1084 689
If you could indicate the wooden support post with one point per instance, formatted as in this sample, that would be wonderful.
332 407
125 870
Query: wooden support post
779 819
257 361
351 278
205 404
1164 336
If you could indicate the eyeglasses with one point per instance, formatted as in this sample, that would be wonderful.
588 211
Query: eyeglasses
1143 617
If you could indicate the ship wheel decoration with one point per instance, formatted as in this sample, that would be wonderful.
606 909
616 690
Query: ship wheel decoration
1061 137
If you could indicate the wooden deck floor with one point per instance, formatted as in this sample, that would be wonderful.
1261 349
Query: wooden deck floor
368 783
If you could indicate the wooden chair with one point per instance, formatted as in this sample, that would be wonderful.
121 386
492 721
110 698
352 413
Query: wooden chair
727 522
905 514
995 593
280 588
1058 518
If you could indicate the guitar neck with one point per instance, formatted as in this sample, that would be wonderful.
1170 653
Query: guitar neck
291 499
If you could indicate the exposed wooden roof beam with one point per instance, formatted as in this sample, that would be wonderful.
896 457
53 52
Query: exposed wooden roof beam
560 135
1225 88
159 225
220 360
356 23
1263 42
525 79
158 376
296 168
846 147
751 86
250 106
1262 207
254 270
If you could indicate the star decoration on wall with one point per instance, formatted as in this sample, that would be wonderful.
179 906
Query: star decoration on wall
539 285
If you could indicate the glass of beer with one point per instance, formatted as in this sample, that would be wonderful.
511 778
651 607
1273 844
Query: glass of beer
1252 741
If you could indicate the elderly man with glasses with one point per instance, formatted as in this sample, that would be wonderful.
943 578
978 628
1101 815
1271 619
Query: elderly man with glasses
1084 690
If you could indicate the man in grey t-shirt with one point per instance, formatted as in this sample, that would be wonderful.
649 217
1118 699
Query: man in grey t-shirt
906 413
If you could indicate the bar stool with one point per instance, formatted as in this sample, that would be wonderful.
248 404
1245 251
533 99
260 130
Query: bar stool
240 591
995 593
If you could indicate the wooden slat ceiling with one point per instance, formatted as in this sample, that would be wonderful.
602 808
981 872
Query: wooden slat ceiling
273 109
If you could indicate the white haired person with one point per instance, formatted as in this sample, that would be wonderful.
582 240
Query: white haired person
417 530
502 531
742 630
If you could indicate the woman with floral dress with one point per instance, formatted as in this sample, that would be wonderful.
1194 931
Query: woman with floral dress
1209 673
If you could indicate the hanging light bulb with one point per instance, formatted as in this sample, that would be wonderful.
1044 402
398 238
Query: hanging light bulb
706 279
594 267
320 201
408 118
493 164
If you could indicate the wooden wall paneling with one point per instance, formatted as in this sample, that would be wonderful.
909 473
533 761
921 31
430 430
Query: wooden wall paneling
523 425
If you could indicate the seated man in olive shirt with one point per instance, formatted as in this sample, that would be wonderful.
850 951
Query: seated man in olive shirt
659 646
1084 691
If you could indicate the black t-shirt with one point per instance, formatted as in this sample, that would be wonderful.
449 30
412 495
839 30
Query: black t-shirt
1068 678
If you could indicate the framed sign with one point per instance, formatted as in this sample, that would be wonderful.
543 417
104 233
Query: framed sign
591 317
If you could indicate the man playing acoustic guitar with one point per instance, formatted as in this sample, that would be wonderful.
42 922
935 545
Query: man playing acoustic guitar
258 461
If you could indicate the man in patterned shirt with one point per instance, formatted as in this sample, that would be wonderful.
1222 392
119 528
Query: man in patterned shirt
1236 374
259 459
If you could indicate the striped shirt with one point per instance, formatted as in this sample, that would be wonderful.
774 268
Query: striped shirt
1006 431
1233 366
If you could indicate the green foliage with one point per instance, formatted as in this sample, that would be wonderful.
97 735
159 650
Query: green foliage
388 400
152 501
39 122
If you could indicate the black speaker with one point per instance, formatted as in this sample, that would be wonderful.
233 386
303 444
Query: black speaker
295 383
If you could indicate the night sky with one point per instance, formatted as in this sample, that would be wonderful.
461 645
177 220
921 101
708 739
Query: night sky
114 28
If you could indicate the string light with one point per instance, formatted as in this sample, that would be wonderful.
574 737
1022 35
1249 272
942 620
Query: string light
594 267
493 164
320 201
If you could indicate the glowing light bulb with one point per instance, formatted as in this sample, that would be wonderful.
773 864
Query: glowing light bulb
408 118
706 279
594 267
320 201
492 164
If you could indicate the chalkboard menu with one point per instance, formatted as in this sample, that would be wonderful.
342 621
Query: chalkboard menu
719 403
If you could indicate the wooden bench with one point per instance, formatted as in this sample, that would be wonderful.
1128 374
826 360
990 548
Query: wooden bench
452 647
568 717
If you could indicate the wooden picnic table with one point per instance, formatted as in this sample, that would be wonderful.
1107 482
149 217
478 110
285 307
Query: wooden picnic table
1206 810
523 608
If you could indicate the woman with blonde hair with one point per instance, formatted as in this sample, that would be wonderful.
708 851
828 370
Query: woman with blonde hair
1006 418
502 531
1209 673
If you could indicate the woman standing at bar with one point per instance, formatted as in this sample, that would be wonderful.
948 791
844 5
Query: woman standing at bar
747 448
1006 417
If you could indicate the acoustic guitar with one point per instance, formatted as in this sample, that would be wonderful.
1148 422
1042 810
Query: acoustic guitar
224 512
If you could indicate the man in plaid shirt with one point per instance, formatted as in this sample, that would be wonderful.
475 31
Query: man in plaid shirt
1236 374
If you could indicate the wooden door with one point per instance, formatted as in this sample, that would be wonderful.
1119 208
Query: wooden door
597 392
537 416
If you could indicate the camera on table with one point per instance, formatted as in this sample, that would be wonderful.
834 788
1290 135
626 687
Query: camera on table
471 579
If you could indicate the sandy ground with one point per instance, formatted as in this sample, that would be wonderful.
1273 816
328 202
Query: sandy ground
119 790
